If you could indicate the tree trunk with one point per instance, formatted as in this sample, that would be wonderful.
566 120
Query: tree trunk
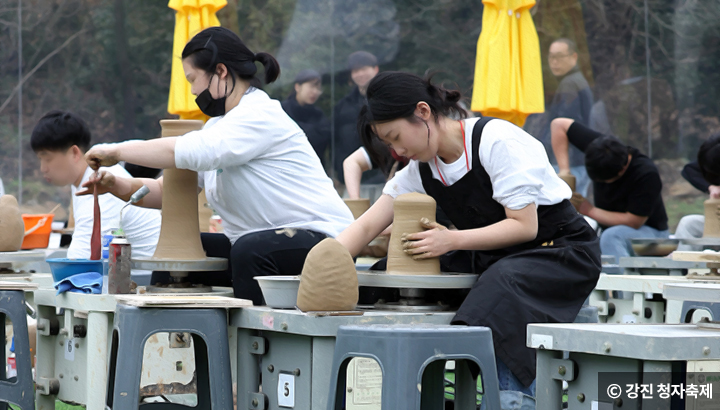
125 72
228 16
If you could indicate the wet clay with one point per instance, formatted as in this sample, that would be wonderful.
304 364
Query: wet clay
204 212
357 206
712 220
180 229
569 179
328 281
409 209
12 228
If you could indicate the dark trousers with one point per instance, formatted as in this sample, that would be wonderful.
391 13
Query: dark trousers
264 253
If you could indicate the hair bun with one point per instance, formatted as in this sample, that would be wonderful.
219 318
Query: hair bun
451 96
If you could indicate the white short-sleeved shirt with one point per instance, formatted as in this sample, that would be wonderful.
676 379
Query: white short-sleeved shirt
516 162
260 172
141 225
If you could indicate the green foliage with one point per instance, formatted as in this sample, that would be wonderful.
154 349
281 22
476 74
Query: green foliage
410 35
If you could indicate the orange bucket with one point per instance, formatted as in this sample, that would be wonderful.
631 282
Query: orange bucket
37 230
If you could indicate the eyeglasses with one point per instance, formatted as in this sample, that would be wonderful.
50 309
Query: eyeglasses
556 57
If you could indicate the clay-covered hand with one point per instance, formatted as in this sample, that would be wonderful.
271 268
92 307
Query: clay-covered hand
434 242
103 181
102 155
714 191
581 203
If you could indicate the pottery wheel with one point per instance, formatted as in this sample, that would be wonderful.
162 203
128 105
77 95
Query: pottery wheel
381 279
706 242
197 290
178 271
22 256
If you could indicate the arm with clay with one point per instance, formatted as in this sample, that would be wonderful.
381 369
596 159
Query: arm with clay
520 226
353 168
123 188
368 226
155 153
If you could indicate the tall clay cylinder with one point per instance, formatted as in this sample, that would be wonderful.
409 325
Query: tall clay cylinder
569 179
180 229
712 221
409 209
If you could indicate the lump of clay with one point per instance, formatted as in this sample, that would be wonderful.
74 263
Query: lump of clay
712 220
12 229
569 179
328 281
357 206
409 209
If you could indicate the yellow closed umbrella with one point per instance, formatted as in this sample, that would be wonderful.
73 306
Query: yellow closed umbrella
191 17
508 72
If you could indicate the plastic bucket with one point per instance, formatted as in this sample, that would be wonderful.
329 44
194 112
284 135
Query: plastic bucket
61 268
37 230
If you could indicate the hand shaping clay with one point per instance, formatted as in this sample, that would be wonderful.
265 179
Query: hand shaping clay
12 228
569 179
357 206
328 281
409 209
712 219
180 229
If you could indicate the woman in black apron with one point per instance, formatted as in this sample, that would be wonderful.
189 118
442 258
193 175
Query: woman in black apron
537 258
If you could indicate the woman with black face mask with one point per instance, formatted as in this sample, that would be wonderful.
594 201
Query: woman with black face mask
258 169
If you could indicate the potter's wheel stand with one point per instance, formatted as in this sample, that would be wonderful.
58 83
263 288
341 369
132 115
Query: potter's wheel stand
412 288
695 292
7 259
705 243
179 270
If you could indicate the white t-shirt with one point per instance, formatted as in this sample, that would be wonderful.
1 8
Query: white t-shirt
516 162
141 225
260 172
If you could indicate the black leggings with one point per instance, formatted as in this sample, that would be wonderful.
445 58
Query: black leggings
264 253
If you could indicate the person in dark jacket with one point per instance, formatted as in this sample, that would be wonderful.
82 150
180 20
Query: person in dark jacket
573 99
300 106
363 68
703 174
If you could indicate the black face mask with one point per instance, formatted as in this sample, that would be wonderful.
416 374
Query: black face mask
212 107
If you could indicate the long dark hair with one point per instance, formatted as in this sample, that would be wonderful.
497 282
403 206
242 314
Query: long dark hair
216 45
392 95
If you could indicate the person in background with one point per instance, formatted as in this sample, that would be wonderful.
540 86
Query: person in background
60 140
573 99
363 68
692 226
300 106
387 160
627 186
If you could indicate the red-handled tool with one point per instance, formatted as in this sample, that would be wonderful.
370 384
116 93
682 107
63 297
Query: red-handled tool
95 239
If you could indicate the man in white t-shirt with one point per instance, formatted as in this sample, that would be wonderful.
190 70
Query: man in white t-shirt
60 140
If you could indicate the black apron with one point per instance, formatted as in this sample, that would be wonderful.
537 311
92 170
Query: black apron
545 280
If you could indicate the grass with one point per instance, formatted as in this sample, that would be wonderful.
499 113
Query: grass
58 406
62 406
